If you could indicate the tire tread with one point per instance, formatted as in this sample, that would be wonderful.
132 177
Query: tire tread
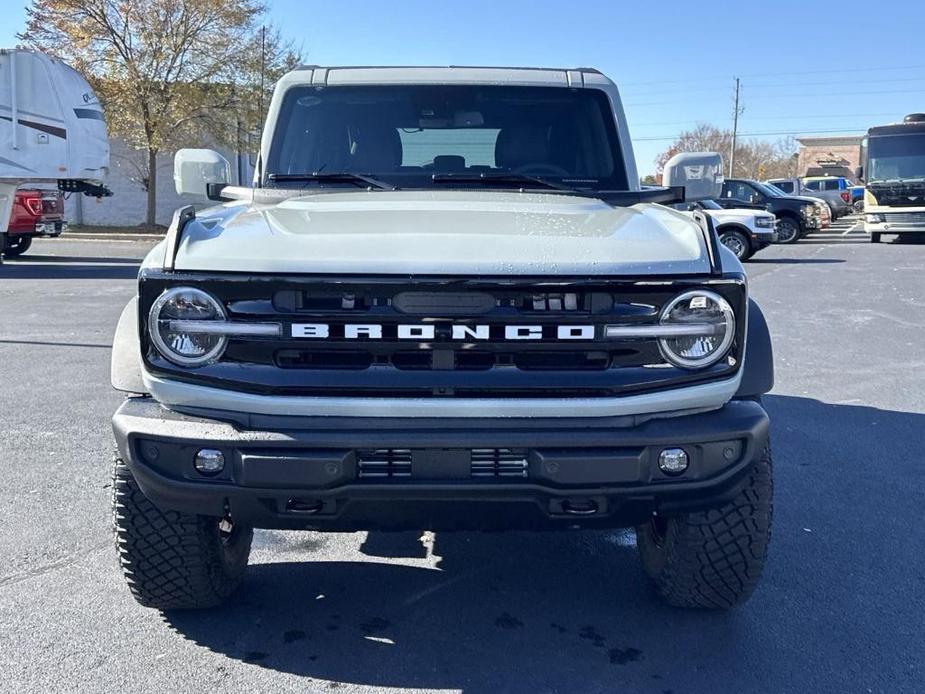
171 560
713 559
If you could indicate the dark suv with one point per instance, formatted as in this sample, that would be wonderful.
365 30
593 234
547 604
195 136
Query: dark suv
796 216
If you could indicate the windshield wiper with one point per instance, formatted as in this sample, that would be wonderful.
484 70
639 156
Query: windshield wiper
489 177
332 177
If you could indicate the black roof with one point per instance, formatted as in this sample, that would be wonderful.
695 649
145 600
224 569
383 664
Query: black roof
898 129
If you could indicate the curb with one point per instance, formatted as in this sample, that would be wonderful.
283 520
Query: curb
76 236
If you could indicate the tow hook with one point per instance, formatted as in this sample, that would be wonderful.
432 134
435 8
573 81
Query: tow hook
579 507
304 506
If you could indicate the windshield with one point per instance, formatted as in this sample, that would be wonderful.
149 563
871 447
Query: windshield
406 134
769 190
896 157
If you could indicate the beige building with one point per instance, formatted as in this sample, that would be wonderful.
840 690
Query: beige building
838 156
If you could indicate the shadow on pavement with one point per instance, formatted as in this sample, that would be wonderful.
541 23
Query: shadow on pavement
56 267
572 612
793 261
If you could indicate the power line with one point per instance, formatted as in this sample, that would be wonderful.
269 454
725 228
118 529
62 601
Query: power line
791 96
759 85
762 134
826 116
783 73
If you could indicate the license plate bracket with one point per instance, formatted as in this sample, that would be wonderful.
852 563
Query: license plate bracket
441 464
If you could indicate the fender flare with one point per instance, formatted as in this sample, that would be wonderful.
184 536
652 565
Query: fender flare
125 367
758 369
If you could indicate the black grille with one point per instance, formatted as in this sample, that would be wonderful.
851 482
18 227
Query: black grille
384 463
499 462
444 366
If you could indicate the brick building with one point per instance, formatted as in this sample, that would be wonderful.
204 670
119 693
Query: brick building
838 156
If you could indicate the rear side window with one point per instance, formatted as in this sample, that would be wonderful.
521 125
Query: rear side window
831 185
813 185
786 186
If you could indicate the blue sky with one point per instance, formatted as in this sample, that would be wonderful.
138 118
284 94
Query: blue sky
805 67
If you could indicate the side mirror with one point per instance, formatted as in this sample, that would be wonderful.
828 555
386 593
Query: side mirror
701 174
195 169
753 199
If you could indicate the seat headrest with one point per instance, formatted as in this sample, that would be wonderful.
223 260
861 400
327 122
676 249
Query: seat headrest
522 145
375 148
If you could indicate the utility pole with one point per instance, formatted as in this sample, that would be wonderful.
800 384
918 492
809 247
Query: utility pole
263 63
735 130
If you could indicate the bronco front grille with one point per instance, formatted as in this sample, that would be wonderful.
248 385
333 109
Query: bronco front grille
315 354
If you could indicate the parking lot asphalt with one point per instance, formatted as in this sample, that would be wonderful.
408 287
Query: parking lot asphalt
841 607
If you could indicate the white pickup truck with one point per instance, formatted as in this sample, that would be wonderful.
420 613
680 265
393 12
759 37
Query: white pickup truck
446 303
742 231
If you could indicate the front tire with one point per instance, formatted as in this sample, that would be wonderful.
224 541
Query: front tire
712 559
875 237
16 245
174 560
788 230
736 242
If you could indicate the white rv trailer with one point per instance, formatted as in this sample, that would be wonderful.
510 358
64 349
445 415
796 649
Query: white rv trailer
51 128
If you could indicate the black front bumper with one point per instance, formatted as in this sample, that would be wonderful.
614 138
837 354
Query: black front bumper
303 474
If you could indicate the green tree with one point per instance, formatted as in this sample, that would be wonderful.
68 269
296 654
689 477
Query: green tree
167 72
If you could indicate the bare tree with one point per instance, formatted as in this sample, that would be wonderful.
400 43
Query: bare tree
754 158
165 70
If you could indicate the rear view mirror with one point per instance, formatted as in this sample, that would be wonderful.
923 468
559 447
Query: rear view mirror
195 169
701 174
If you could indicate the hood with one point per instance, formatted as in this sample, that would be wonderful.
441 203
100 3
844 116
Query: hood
443 233
804 198
736 214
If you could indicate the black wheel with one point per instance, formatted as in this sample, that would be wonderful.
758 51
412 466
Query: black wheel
833 213
858 206
16 244
736 242
712 559
788 230
175 560
875 237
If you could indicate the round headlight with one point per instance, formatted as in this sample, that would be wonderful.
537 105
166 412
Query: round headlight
186 348
712 325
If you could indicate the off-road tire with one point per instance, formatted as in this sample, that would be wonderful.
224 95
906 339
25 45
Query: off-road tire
16 245
712 559
875 237
174 560
789 225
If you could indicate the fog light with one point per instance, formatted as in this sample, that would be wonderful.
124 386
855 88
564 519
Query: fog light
672 461
209 461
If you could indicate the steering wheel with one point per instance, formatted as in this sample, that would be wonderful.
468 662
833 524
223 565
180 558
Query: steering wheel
540 168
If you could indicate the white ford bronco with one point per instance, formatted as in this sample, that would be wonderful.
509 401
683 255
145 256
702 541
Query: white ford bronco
446 303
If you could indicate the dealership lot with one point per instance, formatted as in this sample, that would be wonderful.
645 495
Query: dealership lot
840 607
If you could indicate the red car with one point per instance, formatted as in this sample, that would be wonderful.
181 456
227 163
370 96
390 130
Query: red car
35 213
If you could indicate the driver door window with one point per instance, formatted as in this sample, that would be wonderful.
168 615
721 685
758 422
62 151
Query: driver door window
737 190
